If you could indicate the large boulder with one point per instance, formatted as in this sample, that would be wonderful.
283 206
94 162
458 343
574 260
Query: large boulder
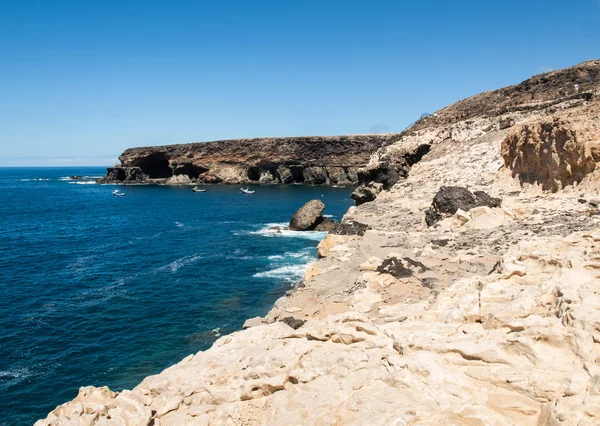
449 199
308 216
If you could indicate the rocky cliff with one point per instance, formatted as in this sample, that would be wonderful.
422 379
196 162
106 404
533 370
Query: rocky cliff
311 160
487 315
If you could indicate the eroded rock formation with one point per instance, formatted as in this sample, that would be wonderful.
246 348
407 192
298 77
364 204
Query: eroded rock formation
556 151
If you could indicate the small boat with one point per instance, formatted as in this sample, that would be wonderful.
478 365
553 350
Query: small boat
247 191
118 193
196 189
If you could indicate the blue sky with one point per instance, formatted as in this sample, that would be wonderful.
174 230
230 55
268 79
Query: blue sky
80 81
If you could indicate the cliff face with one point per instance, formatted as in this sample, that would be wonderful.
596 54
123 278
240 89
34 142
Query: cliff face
489 316
311 160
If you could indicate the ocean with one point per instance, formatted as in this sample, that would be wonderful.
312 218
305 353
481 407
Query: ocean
102 290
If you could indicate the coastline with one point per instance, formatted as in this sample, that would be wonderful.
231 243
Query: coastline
487 316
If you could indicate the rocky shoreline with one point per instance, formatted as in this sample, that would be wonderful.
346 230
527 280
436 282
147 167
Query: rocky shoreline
465 290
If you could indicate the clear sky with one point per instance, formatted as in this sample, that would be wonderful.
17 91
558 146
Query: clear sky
80 80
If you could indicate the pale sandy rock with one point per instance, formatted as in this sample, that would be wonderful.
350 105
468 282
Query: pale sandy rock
330 242
179 180
371 264
556 151
253 322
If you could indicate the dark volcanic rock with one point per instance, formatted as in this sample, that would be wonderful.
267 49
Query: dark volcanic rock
308 216
293 322
449 199
123 174
326 225
350 228
364 194
401 268
484 199
385 173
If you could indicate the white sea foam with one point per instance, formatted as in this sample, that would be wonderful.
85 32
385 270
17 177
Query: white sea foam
83 182
304 254
288 272
268 231
175 265
12 377
179 224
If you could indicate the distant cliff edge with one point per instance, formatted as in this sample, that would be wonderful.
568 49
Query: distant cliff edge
311 160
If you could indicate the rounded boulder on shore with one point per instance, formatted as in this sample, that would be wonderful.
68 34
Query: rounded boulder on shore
308 216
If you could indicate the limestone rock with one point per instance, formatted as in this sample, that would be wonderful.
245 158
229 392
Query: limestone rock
179 180
555 152
253 322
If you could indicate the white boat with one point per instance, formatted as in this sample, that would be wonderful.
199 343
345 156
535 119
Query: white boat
247 191
196 189
118 193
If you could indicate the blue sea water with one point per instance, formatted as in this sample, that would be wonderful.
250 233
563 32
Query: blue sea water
102 290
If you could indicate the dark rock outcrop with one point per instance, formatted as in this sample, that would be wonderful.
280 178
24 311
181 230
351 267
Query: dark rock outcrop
364 194
293 322
386 173
383 174
326 225
310 160
123 174
349 228
401 267
308 216
449 199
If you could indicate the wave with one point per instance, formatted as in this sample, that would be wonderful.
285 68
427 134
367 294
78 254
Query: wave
175 265
268 230
83 182
289 266
179 224
304 254
288 272
12 377
34 180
